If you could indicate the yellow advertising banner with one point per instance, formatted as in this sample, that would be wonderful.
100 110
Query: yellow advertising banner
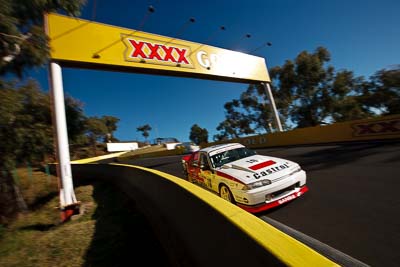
86 44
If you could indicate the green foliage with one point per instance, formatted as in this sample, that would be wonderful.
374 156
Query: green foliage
23 42
25 119
248 114
198 135
25 137
306 83
347 98
26 132
145 129
75 120
96 130
236 122
111 123
385 90
26 124
309 92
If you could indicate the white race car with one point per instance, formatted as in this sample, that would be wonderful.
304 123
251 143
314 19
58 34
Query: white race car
253 182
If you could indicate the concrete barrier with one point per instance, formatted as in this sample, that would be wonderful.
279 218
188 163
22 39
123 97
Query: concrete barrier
162 153
198 228
98 158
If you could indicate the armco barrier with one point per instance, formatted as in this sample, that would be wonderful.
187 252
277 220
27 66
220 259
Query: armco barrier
198 228
382 128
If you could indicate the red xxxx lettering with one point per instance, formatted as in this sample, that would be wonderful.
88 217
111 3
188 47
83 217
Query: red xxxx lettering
379 127
154 52
389 126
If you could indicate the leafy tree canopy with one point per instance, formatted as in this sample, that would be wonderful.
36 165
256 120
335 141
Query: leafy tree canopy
23 42
96 128
26 124
145 129
305 83
198 135
25 118
385 90
111 124
309 92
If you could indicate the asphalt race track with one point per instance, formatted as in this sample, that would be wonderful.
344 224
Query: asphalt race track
353 204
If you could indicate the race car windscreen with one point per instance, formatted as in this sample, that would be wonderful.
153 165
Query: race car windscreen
231 155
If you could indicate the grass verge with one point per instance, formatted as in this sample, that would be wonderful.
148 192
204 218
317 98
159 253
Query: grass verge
110 231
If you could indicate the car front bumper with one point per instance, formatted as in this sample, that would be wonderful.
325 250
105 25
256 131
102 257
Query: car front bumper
269 205
274 194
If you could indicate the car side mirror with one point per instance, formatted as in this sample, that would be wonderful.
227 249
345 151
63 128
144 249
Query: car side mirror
204 167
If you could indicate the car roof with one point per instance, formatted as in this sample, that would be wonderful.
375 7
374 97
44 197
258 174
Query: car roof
219 146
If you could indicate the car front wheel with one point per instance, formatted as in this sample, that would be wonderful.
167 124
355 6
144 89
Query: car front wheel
225 193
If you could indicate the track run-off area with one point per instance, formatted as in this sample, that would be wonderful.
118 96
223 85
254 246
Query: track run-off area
353 203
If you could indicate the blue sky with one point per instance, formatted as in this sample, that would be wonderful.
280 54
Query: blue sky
362 36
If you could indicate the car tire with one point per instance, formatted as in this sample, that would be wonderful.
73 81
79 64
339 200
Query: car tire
189 178
185 174
225 193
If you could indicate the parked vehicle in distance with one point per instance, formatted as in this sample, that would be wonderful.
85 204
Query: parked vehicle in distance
240 176
190 147
173 143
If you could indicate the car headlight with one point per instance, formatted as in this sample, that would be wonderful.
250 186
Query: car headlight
296 169
257 184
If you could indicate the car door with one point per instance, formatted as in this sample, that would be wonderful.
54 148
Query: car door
205 172
194 168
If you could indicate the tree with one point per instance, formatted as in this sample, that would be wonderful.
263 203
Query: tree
76 120
256 108
25 120
307 80
310 92
23 42
145 129
11 200
384 91
315 93
198 135
248 114
235 123
111 123
27 134
348 97
96 130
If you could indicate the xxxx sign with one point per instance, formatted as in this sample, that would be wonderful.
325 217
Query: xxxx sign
386 127
86 44
155 52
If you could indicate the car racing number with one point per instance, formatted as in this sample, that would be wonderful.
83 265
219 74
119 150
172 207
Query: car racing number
206 175
204 171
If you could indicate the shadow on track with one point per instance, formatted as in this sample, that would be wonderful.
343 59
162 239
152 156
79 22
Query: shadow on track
323 157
